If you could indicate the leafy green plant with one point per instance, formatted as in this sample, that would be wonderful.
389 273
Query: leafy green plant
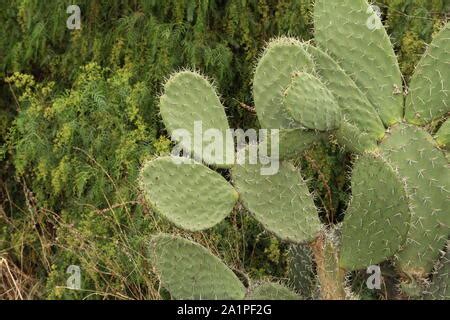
76 194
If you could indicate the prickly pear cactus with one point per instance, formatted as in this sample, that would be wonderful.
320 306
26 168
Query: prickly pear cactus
183 110
281 202
189 194
281 59
311 104
190 271
301 270
443 135
440 287
428 97
366 55
346 84
378 217
361 126
425 169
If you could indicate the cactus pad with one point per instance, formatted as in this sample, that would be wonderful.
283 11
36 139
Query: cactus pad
343 28
412 151
301 270
292 142
443 135
189 194
189 271
355 107
378 216
272 291
311 104
429 91
440 287
351 138
189 99
282 57
280 202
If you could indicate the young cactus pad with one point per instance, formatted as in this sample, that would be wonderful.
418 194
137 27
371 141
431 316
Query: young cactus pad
281 59
187 193
311 104
189 271
378 216
280 202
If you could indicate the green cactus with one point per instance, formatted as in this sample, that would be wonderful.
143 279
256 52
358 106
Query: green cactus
330 275
443 135
361 127
301 270
310 103
349 87
282 58
187 193
377 219
440 287
428 98
414 154
281 202
181 109
293 142
190 271
367 56
364 51
273 75
352 139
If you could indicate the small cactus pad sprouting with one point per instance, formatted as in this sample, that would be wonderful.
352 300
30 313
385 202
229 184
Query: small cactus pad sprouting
281 202
378 216
190 106
355 107
311 104
272 291
352 33
412 151
187 193
281 58
429 91
189 271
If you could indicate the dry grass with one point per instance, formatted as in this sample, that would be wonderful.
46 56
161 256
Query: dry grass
15 284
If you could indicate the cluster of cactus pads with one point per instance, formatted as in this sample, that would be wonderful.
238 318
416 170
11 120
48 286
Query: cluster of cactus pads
346 84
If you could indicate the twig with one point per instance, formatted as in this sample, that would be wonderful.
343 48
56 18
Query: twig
246 107
4 262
